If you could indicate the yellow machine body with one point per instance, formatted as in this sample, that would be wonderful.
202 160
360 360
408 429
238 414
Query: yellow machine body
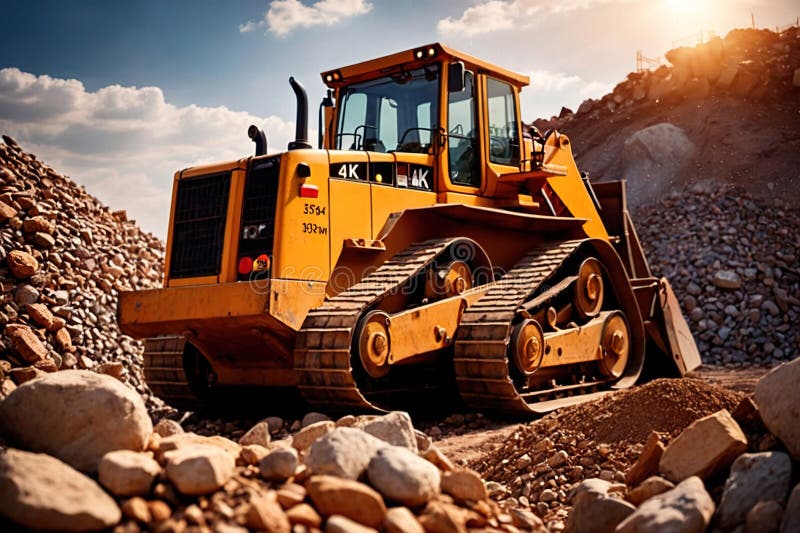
256 245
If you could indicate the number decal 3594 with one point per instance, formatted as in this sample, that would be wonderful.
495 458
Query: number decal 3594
311 209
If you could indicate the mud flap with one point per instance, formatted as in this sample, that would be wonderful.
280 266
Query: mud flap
679 340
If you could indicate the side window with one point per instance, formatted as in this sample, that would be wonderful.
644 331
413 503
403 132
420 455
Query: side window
462 145
387 124
354 114
503 141
424 121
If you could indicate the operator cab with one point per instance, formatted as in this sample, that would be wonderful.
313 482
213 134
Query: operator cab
436 101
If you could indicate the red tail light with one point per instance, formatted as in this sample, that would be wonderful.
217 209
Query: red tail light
309 191
245 265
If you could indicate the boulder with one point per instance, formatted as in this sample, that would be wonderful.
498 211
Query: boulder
754 477
778 399
464 485
594 510
764 517
264 514
791 514
401 520
26 342
342 524
166 427
685 509
727 279
708 445
351 499
344 452
199 468
22 264
40 492
652 159
442 517
127 473
252 454
647 463
313 418
304 438
395 428
304 515
648 488
258 434
279 464
42 316
403 476
179 440
77 416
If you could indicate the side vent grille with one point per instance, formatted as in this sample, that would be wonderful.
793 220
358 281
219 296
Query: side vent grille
199 231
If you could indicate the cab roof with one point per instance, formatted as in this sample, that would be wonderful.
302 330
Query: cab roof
414 58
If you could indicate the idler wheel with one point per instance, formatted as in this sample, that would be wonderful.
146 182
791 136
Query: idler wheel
452 280
374 343
527 344
589 290
616 344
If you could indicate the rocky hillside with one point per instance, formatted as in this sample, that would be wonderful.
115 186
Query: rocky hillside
726 112
64 257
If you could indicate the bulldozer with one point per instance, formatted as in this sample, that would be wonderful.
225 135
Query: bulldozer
432 247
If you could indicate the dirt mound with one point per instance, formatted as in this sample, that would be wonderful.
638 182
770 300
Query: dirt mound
63 260
666 406
538 464
735 98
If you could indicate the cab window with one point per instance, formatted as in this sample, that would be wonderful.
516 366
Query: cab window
394 113
503 140
462 135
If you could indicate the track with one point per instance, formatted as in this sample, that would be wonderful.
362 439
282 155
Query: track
322 351
481 360
164 372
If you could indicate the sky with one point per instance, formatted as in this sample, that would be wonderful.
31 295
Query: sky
120 95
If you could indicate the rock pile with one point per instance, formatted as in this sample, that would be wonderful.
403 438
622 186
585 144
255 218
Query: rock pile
732 260
357 474
725 110
540 462
704 478
64 257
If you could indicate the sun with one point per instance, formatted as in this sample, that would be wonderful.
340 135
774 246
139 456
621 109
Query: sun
685 6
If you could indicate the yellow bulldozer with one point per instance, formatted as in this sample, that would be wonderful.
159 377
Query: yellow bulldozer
432 245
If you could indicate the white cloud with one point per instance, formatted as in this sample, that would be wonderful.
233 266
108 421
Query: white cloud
124 143
283 16
494 15
595 89
552 81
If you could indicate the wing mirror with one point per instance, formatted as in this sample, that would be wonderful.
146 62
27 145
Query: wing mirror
455 77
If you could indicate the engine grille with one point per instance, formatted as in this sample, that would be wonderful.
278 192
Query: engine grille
199 228
258 209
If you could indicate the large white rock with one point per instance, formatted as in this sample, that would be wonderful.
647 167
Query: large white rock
652 159
685 509
708 445
401 475
40 492
778 400
344 452
199 468
128 473
754 477
395 428
77 416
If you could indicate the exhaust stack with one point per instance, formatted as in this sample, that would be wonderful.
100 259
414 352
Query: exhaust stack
301 126
259 137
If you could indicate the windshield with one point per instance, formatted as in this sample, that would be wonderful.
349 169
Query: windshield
397 113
